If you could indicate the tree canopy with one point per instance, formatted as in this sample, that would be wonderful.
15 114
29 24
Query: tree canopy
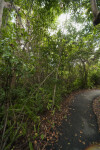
48 5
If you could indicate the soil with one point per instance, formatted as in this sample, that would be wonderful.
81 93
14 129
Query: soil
96 108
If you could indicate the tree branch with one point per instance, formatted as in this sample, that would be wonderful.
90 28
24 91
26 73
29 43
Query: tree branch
1 10
94 8
95 11
9 6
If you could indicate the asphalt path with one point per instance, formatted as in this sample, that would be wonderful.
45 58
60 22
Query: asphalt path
79 130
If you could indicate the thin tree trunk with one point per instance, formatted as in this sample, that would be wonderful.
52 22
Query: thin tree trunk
85 74
54 92
94 8
8 5
1 11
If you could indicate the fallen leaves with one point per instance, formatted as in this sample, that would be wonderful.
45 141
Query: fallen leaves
75 134
96 108
69 143
79 140
83 142
81 132
48 132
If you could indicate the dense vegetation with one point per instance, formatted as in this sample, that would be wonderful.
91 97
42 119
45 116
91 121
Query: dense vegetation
40 64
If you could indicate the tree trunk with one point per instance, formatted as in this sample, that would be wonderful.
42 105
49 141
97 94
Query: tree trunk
8 5
55 86
1 10
2 5
94 8
85 75
96 13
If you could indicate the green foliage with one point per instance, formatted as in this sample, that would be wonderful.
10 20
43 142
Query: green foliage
42 136
95 77
30 146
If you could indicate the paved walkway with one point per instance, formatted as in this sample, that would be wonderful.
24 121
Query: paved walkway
80 129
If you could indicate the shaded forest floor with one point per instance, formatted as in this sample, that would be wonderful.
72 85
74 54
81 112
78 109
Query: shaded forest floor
48 132
50 121
96 108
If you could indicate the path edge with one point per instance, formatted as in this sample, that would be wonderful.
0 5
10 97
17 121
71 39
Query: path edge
96 109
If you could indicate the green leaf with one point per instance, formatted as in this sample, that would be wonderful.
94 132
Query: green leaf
42 136
30 145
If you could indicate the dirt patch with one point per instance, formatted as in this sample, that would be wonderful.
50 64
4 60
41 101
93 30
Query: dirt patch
96 108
